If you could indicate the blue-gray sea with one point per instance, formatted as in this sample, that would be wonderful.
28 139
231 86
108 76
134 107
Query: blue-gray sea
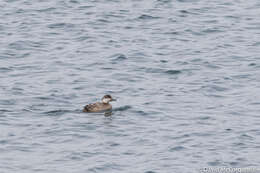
185 73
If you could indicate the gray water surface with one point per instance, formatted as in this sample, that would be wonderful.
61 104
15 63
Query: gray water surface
186 74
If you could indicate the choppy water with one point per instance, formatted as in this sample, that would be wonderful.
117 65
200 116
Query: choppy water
186 74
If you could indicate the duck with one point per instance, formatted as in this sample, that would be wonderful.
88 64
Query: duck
100 106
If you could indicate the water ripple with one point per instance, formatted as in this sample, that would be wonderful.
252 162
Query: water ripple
185 74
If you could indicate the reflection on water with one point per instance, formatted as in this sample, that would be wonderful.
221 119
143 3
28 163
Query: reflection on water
108 113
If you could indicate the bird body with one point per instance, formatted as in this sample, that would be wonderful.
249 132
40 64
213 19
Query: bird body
97 107
100 106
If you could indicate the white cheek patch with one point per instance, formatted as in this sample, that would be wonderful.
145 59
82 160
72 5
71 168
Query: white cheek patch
106 100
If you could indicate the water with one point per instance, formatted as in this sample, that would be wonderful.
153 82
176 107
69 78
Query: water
185 74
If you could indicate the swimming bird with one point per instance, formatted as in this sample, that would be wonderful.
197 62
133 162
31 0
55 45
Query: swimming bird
100 106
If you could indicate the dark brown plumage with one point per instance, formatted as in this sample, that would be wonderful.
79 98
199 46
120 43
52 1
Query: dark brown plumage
100 106
97 107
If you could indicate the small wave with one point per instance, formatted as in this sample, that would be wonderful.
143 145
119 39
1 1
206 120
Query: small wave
172 33
153 70
74 1
122 108
214 163
103 21
252 64
159 70
163 61
178 148
4 110
7 102
140 112
211 30
147 17
184 11
118 57
173 71
5 69
25 45
43 98
86 7
60 25
56 112
46 9
164 1
217 88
